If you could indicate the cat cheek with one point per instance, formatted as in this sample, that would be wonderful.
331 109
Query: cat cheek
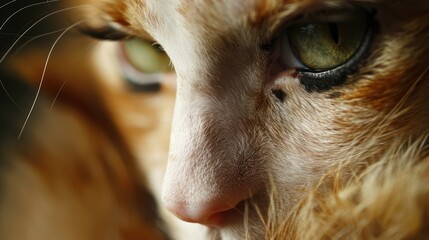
170 81
280 86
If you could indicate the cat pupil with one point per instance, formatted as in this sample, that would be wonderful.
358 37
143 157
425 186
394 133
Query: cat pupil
272 128
333 28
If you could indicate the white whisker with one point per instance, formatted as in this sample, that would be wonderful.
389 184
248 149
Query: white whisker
65 82
4 5
43 75
34 24
23 8
36 37
33 36
8 34
396 109
58 94
402 101
21 36
10 97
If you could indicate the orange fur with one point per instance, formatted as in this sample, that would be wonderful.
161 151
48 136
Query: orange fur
346 163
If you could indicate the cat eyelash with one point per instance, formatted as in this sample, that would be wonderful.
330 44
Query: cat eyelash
109 31
314 79
158 46
140 73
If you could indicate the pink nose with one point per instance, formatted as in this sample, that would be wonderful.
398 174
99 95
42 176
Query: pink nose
213 213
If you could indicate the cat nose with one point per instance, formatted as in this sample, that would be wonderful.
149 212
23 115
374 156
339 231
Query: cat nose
213 213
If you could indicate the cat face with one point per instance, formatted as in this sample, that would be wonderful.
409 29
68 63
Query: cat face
272 94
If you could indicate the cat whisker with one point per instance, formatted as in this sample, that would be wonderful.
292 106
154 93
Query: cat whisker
23 8
33 25
43 74
65 81
48 3
396 111
8 34
246 220
36 37
10 97
57 95
28 29
4 5
401 102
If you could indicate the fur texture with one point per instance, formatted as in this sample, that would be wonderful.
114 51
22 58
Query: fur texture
311 164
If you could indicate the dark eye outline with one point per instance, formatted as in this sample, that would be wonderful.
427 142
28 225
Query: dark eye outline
320 81
109 31
135 79
324 80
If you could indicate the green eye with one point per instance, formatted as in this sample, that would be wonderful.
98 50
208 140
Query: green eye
325 51
144 65
323 46
146 57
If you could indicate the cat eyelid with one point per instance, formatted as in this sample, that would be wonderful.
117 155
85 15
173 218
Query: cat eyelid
136 79
109 31
156 45
113 31
340 12
330 16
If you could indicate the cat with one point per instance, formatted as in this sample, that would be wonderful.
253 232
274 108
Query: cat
69 171
292 119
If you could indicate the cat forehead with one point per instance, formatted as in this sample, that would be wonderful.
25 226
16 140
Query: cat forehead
220 14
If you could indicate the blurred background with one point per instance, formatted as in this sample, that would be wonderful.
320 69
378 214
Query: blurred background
24 25
25 20
69 169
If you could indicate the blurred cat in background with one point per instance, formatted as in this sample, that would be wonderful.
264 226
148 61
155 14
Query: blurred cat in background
73 169
292 119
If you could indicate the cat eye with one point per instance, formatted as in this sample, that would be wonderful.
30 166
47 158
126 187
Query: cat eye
144 64
324 52
146 57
